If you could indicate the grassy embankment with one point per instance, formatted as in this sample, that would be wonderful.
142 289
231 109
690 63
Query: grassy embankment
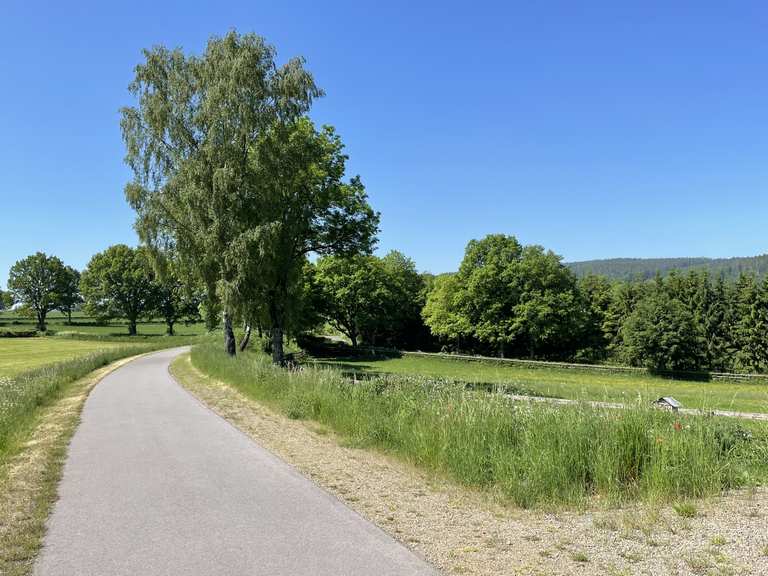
532 455
581 384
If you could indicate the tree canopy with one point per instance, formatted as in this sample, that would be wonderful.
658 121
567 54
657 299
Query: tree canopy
118 283
39 282
511 298
372 300
230 175
69 294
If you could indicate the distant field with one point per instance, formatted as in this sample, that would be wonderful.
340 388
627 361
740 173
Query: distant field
576 384
21 354
82 324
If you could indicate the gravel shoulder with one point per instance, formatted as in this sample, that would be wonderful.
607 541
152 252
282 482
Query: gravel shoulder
464 532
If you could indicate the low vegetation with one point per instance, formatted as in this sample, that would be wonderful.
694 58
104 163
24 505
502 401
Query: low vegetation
532 455
582 384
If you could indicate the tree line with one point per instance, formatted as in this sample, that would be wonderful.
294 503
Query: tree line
119 282
648 268
506 299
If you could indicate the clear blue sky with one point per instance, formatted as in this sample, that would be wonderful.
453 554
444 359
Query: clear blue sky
597 129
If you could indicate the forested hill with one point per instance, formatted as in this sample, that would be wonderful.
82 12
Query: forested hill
629 268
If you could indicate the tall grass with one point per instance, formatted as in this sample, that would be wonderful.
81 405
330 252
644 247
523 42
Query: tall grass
532 454
21 395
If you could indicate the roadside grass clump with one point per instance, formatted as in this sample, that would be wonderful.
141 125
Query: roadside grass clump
22 394
532 454
685 509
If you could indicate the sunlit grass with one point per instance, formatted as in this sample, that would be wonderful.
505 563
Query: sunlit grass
581 384
21 354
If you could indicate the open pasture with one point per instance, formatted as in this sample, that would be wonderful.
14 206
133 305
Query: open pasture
582 384
18 355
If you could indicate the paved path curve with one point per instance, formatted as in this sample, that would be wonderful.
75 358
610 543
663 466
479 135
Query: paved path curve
155 483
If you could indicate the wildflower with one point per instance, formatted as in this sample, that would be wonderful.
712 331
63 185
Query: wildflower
677 426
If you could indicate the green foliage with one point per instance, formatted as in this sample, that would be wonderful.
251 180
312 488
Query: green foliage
510 298
661 334
303 206
177 297
634 269
442 313
505 295
751 329
6 300
535 455
41 283
595 292
230 175
69 293
190 143
372 300
118 283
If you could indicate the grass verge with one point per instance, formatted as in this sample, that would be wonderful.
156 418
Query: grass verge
532 455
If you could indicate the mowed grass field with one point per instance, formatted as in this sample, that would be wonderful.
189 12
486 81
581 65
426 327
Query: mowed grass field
574 384
19 355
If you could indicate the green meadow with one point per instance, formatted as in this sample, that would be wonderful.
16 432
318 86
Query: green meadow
19 355
574 384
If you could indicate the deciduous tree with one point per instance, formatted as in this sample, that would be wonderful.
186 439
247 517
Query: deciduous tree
69 294
37 282
519 299
119 283
661 334
190 143
302 205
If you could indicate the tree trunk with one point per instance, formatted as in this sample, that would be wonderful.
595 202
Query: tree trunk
41 321
211 321
246 338
169 323
278 355
132 327
69 316
229 335
353 338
